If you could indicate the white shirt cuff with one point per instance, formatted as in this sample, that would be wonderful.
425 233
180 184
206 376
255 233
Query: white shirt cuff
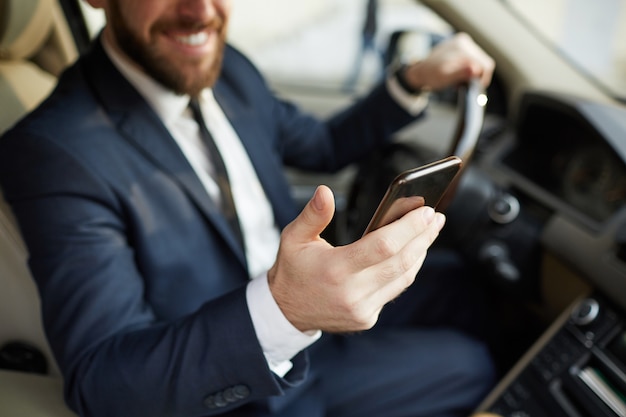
412 103
279 339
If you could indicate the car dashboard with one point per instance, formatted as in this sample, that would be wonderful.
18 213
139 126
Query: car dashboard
563 164
568 151
565 161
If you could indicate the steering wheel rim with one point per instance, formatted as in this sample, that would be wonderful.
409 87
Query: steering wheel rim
369 185
472 101
471 104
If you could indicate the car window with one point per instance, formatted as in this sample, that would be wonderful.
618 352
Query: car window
314 47
590 34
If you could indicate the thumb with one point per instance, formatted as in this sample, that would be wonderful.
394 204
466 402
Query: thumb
315 216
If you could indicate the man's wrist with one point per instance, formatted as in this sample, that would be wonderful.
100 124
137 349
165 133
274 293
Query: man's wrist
278 338
413 100
400 75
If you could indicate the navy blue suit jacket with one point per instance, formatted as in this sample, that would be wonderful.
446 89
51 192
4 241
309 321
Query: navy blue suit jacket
142 284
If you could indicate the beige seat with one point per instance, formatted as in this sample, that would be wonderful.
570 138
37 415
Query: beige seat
35 45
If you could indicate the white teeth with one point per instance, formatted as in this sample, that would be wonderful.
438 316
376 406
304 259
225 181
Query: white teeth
194 39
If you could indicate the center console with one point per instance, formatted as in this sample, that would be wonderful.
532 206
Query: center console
576 369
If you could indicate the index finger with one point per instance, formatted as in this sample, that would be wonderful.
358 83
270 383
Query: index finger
386 241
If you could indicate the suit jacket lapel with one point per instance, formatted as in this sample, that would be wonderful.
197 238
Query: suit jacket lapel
138 123
268 166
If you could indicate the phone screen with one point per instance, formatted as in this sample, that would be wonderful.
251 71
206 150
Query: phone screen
415 188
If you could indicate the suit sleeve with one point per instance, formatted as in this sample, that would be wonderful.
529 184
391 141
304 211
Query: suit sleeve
306 142
117 356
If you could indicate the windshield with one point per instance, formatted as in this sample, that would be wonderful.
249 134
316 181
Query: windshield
589 34
320 43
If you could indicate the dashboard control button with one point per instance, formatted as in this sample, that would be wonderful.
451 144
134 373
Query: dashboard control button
585 312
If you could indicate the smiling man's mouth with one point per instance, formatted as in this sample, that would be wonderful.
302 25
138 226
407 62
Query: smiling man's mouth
194 39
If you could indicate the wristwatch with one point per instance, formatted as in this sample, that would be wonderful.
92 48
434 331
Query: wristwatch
400 73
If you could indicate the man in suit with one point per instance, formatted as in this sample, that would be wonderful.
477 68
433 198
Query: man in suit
155 306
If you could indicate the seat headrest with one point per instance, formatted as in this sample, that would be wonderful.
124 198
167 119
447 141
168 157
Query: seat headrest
25 27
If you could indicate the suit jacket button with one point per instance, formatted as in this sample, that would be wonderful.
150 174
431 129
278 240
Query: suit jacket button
215 401
219 400
229 395
209 402
241 392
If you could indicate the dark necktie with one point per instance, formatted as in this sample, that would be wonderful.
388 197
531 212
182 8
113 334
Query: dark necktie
221 175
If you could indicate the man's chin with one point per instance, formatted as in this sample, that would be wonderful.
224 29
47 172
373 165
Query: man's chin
184 80
179 72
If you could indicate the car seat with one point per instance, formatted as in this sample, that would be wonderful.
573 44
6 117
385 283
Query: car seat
35 46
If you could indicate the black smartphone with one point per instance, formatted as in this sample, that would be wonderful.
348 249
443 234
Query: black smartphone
424 185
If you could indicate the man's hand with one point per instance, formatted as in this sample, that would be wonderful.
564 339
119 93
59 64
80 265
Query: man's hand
343 289
451 62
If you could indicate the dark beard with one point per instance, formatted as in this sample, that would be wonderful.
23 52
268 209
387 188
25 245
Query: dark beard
159 67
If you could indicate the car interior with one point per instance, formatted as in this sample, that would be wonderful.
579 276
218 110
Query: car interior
35 45
539 211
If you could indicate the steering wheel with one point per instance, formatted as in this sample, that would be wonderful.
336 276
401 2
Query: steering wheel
471 103
376 172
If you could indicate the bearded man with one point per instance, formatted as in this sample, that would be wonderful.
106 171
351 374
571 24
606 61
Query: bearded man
176 275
